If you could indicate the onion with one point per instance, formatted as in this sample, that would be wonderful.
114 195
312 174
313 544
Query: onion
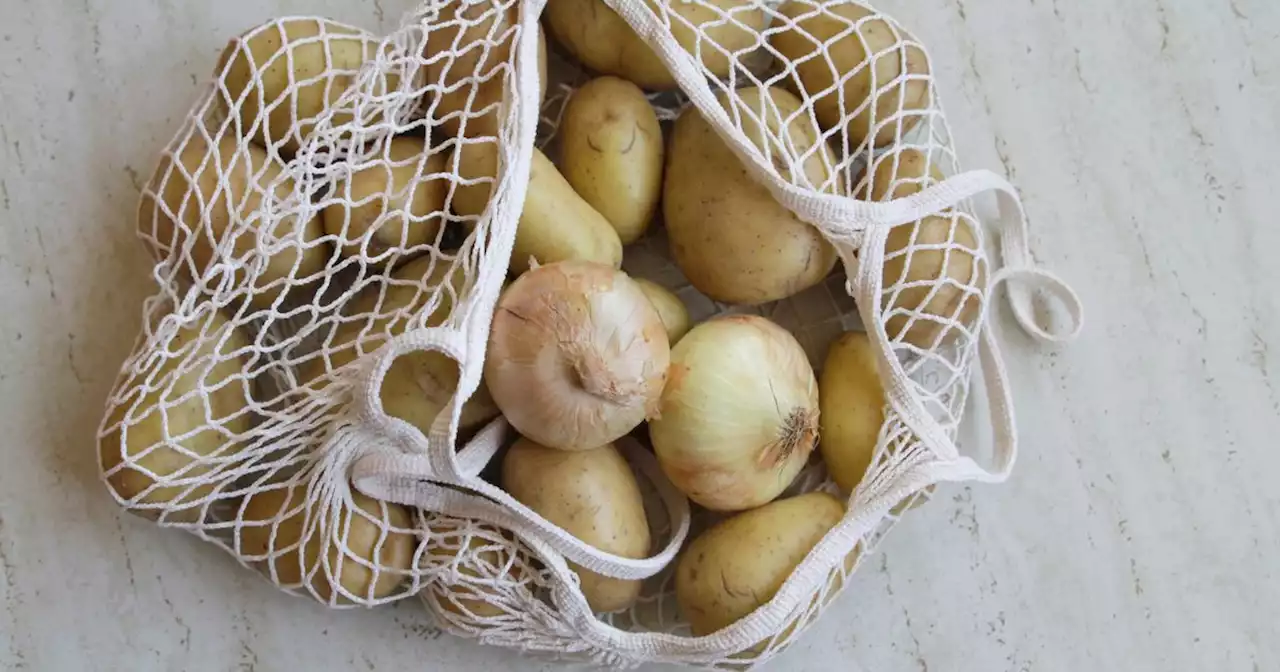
577 355
739 415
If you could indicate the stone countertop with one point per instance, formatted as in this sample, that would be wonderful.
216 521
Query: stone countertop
1141 528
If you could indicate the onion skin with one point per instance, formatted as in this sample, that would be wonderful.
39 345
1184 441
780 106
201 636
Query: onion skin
739 414
578 355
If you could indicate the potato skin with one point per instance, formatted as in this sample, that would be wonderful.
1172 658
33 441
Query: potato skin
391 186
937 296
847 55
852 401
733 241
611 153
592 495
260 69
480 598
364 542
671 310
229 405
174 207
420 384
468 30
596 36
740 563
556 223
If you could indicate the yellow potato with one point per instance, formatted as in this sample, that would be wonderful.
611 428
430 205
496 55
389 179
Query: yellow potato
592 495
733 241
611 153
418 385
849 68
227 184
286 66
950 283
555 225
852 403
851 397
595 35
740 563
469 84
671 310
172 445
395 185
274 525
484 559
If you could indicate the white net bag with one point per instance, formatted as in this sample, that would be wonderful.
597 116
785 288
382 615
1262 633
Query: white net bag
307 393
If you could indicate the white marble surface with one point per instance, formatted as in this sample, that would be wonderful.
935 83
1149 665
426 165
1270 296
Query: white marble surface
1140 532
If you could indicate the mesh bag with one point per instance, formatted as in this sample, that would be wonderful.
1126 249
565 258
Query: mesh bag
306 390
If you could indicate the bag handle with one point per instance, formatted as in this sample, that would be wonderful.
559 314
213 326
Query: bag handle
441 480
407 479
1018 274
466 344
851 224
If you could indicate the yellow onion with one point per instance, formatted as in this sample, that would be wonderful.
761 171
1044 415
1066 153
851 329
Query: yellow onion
739 415
577 355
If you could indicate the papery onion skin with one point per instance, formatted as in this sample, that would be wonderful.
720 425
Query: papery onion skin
578 355
739 414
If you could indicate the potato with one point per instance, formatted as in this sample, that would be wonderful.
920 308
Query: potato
420 384
671 310
481 37
595 35
611 153
733 241
222 177
156 469
555 225
592 495
848 68
394 185
285 67
740 563
482 560
273 524
950 282
852 402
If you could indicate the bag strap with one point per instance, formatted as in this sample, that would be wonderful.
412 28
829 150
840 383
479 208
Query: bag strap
447 482
440 479
852 224
407 479
1019 274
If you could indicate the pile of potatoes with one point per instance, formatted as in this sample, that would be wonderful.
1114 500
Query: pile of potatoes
617 170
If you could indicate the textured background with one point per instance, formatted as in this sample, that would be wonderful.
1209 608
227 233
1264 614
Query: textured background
1140 530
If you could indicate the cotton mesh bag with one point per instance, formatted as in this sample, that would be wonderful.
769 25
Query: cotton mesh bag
306 390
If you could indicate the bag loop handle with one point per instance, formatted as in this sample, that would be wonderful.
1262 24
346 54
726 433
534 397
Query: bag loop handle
407 479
